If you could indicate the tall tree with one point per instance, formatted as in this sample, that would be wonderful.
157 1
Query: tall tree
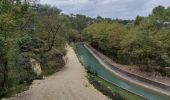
11 17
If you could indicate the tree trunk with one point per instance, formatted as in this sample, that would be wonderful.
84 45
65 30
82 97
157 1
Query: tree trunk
5 73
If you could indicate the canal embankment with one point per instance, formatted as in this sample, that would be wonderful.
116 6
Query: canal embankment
133 78
106 87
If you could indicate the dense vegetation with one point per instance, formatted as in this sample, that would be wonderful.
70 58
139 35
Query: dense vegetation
29 30
144 42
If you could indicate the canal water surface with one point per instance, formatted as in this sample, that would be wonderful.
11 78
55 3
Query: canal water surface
89 60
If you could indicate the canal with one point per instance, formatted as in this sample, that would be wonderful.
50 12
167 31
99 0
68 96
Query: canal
89 60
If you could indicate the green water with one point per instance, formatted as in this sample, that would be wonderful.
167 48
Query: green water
87 58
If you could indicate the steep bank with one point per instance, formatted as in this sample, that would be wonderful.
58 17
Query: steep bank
138 80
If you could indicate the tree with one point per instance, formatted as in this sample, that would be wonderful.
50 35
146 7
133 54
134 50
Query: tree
99 19
138 20
158 10
52 27
29 30
11 17
106 37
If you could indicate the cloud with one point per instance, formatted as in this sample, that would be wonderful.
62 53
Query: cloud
124 9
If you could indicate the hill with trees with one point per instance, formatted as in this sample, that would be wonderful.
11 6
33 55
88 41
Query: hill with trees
146 42
29 30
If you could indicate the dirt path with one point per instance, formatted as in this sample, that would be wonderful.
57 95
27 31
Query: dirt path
68 84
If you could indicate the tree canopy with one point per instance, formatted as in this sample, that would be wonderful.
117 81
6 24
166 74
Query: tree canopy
144 43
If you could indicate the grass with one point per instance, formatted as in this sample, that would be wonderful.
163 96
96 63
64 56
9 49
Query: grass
15 90
47 71
115 89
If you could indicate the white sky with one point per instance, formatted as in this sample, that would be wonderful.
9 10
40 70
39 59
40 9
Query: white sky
124 9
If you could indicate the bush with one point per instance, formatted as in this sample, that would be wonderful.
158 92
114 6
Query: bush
52 61
106 91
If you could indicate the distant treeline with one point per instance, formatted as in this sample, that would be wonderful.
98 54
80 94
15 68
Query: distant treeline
144 42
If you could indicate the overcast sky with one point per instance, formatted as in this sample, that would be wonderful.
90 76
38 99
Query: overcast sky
123 9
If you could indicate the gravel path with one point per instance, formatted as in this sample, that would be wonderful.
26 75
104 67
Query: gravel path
69 84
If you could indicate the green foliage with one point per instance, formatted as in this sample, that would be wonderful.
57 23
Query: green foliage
74 36
41 31
146 44
111 90
119 92
138 20
27 32
106 37
79 22
158 10
142 49
51 61
15 21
